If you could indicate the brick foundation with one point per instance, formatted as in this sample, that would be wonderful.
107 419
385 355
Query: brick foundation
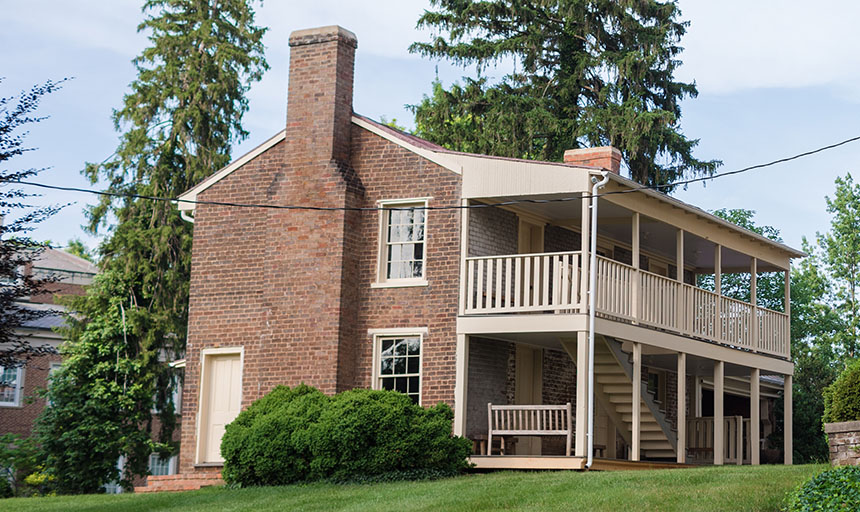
182 482
844 441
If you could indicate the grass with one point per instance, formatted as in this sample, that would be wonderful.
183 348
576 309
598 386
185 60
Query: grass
734 488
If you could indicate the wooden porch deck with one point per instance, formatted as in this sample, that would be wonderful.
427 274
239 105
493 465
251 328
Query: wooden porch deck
560 462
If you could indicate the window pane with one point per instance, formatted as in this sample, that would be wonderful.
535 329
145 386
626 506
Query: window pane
386 346
414 346
401 384
400 349
413 385
419 233
418 251
417 268
400 365
412 365
388 384
387 366
415 399
419 216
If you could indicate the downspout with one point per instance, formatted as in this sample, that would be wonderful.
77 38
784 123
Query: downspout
592 300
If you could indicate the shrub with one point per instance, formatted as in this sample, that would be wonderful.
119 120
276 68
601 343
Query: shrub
299 434
836 489
842 398
364 432
259 447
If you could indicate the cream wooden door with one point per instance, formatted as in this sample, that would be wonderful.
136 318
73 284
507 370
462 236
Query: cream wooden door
222 400
528 390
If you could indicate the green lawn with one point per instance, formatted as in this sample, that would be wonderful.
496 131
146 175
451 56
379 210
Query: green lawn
707 489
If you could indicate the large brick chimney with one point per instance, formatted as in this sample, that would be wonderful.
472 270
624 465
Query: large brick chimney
607 157
309 296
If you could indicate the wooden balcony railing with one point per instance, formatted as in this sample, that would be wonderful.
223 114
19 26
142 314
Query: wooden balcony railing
736 439
522 282
552 282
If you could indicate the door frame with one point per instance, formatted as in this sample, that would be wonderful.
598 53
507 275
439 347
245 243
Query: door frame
205 355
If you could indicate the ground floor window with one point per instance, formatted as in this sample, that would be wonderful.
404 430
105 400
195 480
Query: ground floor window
398 364
159 466
11 380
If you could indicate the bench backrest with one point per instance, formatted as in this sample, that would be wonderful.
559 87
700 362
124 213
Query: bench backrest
530 420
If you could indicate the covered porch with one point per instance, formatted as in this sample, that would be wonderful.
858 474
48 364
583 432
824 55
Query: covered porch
692 410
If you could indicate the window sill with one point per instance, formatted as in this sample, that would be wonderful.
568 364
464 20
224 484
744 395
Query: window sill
400 284
209 465
12 406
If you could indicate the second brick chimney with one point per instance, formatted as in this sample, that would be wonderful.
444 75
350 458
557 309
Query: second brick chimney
607 157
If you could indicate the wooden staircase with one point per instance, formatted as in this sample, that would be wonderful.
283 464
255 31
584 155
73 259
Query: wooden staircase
614 390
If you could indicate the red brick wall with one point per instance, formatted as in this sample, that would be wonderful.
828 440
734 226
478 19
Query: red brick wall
388 171
293 288
52 290
20 419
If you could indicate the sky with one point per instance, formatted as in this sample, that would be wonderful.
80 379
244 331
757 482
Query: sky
775 78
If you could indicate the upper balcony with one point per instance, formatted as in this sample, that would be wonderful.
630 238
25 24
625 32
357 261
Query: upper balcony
528 258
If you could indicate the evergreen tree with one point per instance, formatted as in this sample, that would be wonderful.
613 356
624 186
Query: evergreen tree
178 124
588 73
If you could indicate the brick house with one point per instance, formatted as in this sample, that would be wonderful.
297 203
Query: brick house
485 304
20 404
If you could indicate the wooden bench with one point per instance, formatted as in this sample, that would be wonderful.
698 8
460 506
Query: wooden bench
529 420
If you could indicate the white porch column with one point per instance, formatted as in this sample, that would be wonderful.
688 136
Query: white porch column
718 274
682 408
788 313
584 248
634 288
581 441
787 427
719 425
754 301
461 384
637 401
680 304
464 253
755 416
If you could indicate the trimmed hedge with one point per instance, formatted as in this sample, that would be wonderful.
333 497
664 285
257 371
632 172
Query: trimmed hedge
836 489
842 398
300 434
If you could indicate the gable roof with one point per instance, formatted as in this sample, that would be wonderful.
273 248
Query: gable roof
456 162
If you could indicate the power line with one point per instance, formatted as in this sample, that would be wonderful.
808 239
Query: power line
441 207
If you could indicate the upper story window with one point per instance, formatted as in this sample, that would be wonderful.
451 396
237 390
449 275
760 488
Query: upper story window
403 235
11 380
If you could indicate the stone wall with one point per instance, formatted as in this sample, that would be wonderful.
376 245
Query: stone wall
844 441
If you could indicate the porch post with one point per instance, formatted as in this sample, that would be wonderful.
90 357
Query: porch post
682 408
719 425
755 416
787 336
680 305
581 440
754 302
461 384
787 426
637 401
634 286
583 246
464 253
718 289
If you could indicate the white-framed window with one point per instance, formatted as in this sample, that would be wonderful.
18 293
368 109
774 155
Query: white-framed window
159 466
397 361
115 487
11 383
402 242
55 367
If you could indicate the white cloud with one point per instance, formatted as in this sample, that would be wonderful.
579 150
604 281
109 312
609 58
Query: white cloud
736 45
